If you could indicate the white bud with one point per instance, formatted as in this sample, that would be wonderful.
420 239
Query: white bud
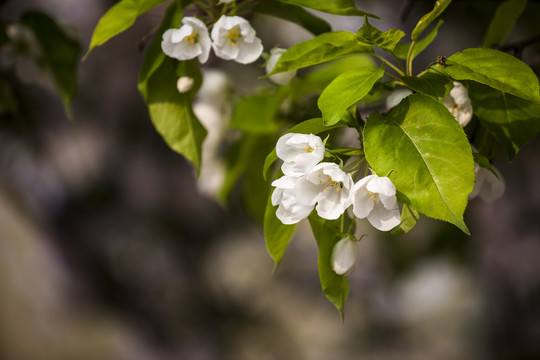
184 84
344 256
280 78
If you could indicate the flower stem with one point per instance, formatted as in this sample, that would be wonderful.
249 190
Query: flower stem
389 64
410 58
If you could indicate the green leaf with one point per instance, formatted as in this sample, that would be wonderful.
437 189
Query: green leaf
427 19
512 121
402 49
256 113
370 36
495 69
429 156
323 48
337 7
322 75
294 14
60 53
172 114
344 91
311 126
431 83
504 20
119 18
334 286
276 234
409 218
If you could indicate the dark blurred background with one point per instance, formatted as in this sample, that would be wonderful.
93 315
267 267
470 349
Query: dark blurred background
110 250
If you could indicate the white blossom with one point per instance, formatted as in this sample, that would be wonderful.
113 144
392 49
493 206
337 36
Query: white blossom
328 186
234 39
459 104
280 78
189 41
299 152
184 84
374 197
345 256
487 186
289 210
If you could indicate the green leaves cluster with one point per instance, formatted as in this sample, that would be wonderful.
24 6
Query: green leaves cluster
419 143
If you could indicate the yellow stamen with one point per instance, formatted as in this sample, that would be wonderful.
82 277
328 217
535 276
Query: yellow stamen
457 107
233 35
193 38
309 149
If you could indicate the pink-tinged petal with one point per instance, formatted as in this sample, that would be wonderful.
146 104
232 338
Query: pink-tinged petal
384 219
381 185
344 256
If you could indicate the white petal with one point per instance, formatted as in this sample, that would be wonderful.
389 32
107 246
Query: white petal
361 199
384 219
307 193
293 215
277 195
381 185
284 182
344 256
249 51
330 207
180 34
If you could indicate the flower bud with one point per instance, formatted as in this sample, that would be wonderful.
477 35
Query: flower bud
280 78
344 256
184 84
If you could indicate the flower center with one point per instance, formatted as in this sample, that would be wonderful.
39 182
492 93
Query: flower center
193 38
457 107
309 149
373 196
233 35
330 184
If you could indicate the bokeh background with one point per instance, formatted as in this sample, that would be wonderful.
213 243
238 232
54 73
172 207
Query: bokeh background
110 250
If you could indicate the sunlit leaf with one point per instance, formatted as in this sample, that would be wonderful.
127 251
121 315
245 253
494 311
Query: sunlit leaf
402 49
440 6
323 48
495 69
431 83
428 155
119 18
276 234
344 91
371 36
334 286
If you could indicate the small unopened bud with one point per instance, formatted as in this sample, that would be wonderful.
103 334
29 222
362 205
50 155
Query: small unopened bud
344 256
184 84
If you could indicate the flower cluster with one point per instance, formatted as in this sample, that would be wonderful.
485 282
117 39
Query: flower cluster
310 184
232 38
